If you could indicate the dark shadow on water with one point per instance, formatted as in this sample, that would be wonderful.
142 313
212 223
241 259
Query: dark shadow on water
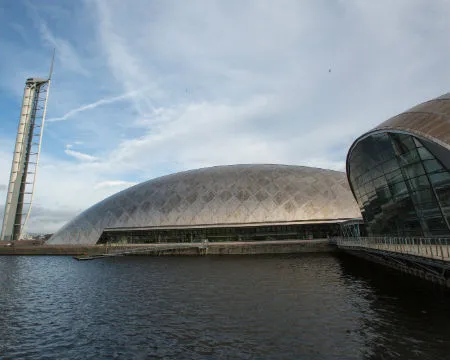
410 315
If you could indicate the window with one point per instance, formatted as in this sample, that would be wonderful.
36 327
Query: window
418 183
424 153
423 196
399 189
432 166
440 179
414 170
394 176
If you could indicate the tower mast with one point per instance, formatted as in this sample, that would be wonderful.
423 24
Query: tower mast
26 157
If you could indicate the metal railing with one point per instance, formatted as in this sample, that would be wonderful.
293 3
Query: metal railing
432 248
121 249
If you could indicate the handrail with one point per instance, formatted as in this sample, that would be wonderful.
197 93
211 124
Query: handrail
429 247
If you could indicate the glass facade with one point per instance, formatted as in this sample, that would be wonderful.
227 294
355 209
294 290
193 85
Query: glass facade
402 189
218 234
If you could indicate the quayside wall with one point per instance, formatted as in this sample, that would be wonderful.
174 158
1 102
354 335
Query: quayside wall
427 258
436 276
218 248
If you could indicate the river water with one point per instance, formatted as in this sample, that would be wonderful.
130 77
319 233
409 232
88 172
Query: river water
310 306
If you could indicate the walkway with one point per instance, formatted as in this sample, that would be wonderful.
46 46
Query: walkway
429 248
428 258
123 250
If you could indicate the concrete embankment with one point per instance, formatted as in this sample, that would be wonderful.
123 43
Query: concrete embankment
219 248
434 271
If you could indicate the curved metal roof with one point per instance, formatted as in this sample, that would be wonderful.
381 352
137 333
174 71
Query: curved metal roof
429 120
228 195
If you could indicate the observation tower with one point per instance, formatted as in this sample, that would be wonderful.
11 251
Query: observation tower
26 157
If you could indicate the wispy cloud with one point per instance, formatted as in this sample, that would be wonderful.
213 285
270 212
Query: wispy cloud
114 184
64 50
101 102
80 156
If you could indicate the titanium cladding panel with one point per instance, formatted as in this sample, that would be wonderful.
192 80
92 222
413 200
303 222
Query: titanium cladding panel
229 195
429 120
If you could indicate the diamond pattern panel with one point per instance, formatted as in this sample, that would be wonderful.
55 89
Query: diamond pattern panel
235 194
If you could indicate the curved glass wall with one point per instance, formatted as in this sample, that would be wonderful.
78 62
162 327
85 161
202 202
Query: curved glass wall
402 189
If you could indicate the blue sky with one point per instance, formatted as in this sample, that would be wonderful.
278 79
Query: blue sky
143 88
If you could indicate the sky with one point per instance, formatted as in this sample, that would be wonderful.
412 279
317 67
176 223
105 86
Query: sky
144 88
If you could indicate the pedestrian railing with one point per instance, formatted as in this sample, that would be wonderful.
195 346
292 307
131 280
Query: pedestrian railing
120 249
433 247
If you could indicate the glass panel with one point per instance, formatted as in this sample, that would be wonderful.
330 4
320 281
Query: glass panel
407 141
419 182
376 172
414 170
432 166
443 196
394 176
417 142
383 194
412 228
424 154
440 179
409 158
379 182
429 210
403 143
437 226
390 166
398 189
423 196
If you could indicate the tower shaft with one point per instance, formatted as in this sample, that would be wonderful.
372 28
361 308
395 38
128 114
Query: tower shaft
25 158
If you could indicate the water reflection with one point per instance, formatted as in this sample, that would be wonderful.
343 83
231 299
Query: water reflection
409 316
314 306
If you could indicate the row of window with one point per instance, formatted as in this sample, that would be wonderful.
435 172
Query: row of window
440 183
281 232
391 168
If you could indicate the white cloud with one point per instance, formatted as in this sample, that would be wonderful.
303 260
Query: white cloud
114 184
93 105
80 156
220 82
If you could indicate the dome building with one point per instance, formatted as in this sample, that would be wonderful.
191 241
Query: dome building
222 203
399 172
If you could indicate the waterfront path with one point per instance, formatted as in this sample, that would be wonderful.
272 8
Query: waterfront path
427 248
194 248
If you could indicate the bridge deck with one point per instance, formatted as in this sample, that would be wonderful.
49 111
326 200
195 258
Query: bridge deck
436 249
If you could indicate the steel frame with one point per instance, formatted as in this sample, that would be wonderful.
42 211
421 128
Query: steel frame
26 158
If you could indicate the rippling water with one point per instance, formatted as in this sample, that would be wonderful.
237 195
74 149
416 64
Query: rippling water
312 306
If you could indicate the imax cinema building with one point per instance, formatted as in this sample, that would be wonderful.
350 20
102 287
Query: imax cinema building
399 172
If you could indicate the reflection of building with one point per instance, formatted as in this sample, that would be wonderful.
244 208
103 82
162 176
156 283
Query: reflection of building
238 202
399 172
